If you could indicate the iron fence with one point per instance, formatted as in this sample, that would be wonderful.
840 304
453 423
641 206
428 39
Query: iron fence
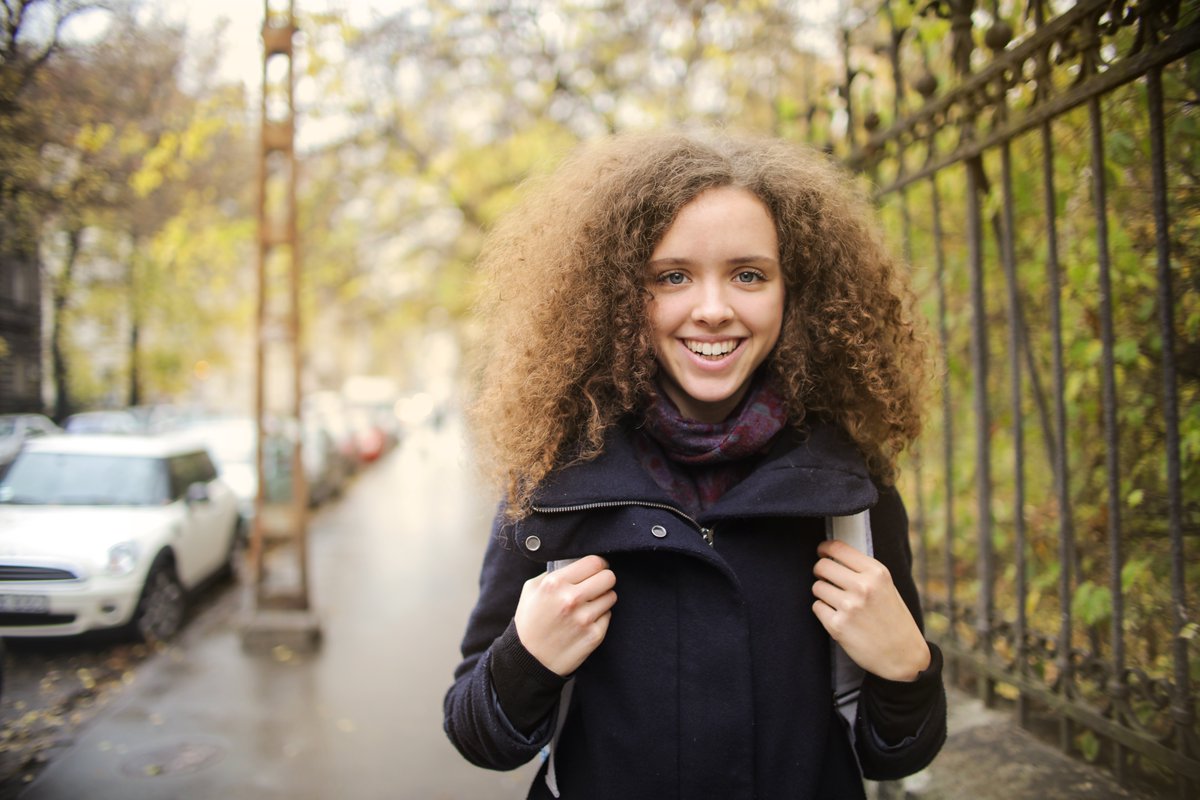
1049 201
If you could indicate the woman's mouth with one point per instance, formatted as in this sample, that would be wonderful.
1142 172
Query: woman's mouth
712 351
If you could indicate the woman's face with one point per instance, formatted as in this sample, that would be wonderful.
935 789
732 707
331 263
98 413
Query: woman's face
717 303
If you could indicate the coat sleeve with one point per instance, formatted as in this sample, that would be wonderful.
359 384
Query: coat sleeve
901 726
473 719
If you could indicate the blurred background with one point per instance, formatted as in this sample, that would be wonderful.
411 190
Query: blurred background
1036 162
134 156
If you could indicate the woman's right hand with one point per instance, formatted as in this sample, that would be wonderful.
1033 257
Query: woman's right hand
562 616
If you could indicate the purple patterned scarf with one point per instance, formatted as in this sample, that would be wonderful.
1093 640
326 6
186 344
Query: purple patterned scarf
697 462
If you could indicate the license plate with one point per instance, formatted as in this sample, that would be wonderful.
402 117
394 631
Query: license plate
24 603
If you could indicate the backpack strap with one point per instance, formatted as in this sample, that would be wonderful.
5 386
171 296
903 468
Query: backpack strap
854 530
564 703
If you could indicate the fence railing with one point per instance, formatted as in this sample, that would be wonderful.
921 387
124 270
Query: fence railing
1049 201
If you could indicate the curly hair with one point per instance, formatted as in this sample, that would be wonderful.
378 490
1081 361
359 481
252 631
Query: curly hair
566 349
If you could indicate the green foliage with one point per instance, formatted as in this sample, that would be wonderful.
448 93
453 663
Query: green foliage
1092 604
1137 444
1089 745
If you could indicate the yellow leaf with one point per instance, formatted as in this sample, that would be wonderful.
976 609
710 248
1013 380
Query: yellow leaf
93 138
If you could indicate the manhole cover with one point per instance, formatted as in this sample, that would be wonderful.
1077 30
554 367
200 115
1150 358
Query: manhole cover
173 759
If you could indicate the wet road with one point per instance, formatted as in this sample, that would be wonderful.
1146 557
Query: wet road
419 524
410 536
394 571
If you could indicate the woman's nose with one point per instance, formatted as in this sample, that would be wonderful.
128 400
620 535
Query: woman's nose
712 306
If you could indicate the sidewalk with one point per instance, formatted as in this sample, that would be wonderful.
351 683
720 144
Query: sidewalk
394 575
394 578
988 756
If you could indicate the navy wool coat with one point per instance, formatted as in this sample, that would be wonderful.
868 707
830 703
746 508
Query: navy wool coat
714 679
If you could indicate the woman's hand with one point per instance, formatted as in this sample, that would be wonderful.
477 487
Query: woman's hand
563 615
859 605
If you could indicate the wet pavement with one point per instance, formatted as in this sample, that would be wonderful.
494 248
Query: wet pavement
394 570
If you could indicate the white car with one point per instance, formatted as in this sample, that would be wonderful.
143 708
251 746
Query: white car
110 531
16 429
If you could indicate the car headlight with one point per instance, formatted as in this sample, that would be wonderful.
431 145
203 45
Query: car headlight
122 559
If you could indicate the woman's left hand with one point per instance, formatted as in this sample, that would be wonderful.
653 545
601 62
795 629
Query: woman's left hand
862 610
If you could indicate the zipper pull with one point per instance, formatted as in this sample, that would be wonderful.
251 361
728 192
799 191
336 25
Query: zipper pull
707 533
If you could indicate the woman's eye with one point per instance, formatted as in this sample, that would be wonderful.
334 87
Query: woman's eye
749 276
673 278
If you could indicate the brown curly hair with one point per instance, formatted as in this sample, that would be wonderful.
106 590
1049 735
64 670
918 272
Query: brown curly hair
565 343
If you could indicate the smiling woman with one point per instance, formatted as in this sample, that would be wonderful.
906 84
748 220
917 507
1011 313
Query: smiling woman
699 363
568 351
717 300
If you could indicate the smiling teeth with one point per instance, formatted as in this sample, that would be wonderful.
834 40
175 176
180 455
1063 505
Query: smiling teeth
712 348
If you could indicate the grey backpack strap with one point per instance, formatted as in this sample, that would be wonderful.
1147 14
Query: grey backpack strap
854 530
564 702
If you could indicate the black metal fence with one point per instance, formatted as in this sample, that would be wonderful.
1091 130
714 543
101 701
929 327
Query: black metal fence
1049 200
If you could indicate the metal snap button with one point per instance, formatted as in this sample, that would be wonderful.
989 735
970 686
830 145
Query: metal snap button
659 531
533 543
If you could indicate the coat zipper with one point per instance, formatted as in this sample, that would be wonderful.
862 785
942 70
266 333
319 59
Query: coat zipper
709 534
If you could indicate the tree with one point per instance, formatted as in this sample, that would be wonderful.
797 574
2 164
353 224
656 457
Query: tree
444 109
134 147
31 38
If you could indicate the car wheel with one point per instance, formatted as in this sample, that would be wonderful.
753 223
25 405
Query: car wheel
160 610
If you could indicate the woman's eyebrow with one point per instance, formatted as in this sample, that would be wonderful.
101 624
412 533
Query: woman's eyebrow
672 261
753 260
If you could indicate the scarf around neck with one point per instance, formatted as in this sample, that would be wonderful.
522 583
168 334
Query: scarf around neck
697 462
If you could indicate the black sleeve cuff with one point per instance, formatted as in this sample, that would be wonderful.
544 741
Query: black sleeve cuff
897 709
525 689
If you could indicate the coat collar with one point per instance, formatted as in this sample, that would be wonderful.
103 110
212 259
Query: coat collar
814 473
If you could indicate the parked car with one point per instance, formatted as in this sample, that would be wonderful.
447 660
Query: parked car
16 429
232 442
109 421
324 466
110 532
329 410
166 417
369 436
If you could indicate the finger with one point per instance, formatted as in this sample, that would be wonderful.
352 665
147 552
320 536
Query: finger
596 632
581 569
595 585
829 594
825 615
836 573
845 554
600 607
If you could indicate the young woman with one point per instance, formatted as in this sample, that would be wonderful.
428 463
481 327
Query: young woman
698 358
